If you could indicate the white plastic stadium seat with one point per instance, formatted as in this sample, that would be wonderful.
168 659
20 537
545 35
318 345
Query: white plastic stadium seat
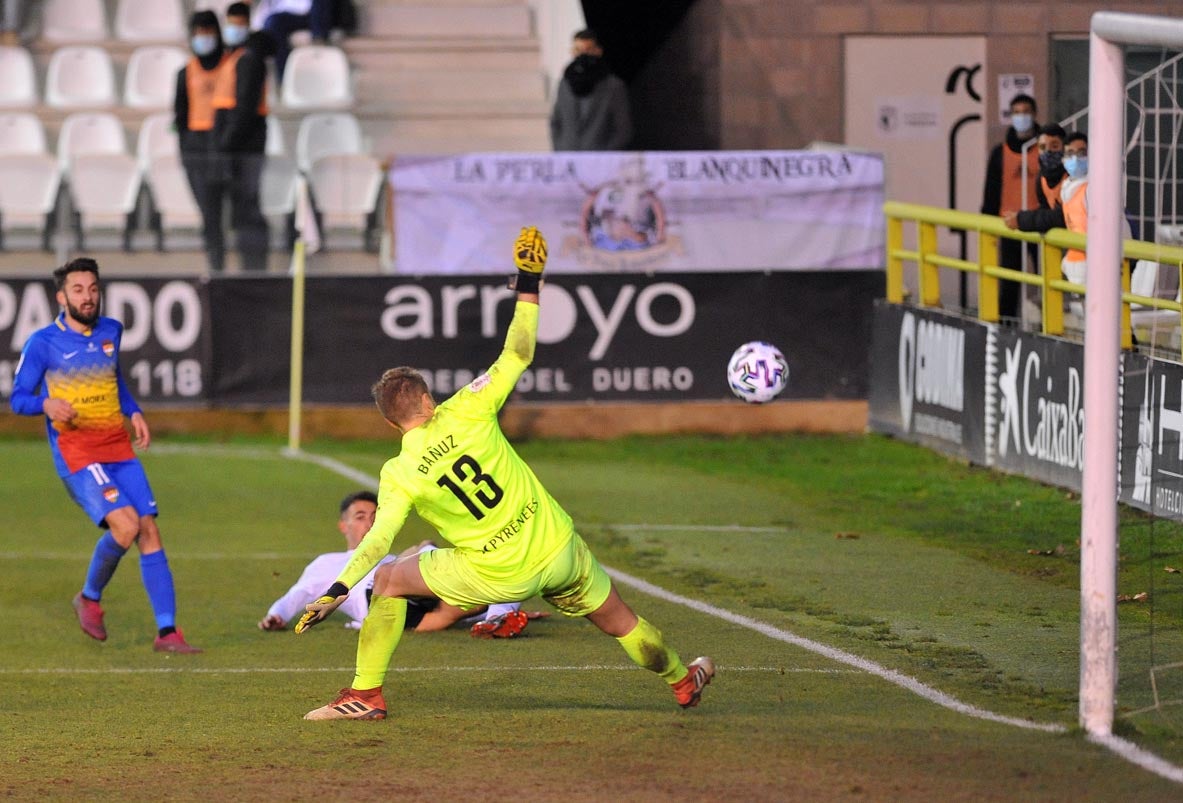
28 191
151 80
325 133
21 132
156 138
103 188
317 77
80 76
153 21
74 21
172 198
277 187
89 133
345 188
275 142
18 80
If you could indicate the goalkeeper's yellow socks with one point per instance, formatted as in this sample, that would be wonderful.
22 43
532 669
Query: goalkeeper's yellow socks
380 634
646 647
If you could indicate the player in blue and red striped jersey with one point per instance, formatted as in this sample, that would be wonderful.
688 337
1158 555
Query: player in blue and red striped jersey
69 372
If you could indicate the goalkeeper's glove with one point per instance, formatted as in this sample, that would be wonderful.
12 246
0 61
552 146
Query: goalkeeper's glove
317 612
529 255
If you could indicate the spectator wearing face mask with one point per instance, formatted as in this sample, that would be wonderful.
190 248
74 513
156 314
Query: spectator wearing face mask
1004 187
193 118
240 131
1074 203
591 111
1047 190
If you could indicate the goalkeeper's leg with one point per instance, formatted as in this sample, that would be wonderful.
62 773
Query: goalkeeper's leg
379 637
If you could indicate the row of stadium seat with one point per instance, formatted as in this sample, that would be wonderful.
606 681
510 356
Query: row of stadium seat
83 76
135 20
104 181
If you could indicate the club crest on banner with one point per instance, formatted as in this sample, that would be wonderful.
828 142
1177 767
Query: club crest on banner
622 222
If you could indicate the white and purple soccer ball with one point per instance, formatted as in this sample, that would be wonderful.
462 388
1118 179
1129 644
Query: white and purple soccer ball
757 372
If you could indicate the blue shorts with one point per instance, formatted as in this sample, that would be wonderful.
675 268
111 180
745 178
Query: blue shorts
102 487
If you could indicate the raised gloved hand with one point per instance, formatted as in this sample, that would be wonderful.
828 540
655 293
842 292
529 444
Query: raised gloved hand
529 255
316 612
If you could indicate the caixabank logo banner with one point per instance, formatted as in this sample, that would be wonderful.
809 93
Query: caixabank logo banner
1035 406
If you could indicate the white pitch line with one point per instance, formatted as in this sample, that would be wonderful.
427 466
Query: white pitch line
892 676
1136 755
336 466
239 670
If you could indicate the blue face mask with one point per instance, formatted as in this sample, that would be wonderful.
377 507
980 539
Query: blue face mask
203 44
1076 166
234 35
1022 123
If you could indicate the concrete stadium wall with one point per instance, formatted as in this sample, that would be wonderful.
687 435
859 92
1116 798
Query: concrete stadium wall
771 71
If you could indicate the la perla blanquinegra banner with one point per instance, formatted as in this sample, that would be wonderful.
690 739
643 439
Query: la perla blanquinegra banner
642 211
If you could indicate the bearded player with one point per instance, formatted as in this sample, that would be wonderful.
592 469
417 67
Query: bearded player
512 540
69 372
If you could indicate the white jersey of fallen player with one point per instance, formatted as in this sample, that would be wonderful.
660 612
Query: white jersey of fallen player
321 573
318 576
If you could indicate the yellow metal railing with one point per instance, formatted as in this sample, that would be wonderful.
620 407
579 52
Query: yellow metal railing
989 230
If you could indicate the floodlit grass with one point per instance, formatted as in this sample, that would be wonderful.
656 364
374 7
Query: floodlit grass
889 552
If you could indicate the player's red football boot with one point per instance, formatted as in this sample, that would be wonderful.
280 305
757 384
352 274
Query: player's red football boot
90 617
352 704
508 625
688 690
174 642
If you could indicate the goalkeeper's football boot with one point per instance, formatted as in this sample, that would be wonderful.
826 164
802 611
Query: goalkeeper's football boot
352 704
688 690
90 617
174 642
508 625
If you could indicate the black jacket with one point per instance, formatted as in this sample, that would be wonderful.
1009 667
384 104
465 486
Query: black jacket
242 129
192 142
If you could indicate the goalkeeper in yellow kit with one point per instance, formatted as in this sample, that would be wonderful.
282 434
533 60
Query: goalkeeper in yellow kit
512 540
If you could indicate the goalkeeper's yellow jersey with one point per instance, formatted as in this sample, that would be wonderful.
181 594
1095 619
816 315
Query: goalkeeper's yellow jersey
462 476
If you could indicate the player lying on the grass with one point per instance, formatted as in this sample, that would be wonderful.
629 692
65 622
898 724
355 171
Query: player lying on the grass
424 615
512 540
69 372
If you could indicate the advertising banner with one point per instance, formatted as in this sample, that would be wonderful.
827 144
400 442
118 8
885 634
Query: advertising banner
666 337
1152 436
927 372
1035 406
642 211
164 354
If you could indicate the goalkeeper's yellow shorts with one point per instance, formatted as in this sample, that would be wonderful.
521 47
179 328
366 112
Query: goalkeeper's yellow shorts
573 581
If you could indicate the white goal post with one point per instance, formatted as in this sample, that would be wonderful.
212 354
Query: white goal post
1109 32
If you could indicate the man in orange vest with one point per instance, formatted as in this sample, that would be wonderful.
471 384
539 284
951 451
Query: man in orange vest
1005 190
1074 203
193 110
240 133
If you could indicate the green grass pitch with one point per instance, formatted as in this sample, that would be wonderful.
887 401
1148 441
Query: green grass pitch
876 548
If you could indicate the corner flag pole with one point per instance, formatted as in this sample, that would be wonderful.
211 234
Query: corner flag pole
308 242
296 380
